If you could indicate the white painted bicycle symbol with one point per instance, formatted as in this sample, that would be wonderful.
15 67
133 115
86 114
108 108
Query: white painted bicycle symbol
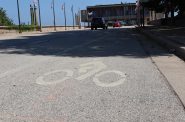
87 70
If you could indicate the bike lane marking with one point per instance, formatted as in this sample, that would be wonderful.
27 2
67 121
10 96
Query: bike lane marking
10 72
40 80
113 84
94 66
6 73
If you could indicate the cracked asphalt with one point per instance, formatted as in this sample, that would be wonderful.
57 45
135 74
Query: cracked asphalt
83 76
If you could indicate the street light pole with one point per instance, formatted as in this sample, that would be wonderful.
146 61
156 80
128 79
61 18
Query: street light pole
73 16
19 16
65 16
143 16
143 2
54 15
40 16
129 10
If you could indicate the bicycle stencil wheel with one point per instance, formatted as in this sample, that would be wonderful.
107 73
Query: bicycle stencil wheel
40 80
113 84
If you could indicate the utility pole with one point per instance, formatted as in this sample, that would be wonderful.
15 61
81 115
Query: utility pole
54 15
31 15
19 16
35 16
143 2
129 10
40 16
73 16
143 16
65 15
79 20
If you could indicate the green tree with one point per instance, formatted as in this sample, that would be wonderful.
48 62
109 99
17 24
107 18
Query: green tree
4 19
167 6
181 7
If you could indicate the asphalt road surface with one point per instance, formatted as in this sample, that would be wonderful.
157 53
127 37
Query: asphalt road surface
83 76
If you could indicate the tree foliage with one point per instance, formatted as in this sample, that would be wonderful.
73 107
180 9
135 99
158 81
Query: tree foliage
166 6
4 19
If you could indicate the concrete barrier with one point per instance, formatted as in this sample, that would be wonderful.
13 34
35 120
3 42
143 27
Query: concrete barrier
60 28
5 29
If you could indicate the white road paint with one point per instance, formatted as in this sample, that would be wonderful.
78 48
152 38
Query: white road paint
13 71
89 69
113 84
40 80
94 67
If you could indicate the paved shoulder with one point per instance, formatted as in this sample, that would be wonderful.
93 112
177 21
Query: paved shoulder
109 77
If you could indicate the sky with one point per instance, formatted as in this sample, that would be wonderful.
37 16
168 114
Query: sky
46 11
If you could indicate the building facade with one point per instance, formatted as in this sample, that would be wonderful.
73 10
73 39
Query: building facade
122 12
128 12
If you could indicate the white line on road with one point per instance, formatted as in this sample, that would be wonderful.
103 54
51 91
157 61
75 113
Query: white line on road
2 75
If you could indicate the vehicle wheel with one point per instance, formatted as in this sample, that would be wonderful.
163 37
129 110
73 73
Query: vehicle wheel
95 28
92 28
104 28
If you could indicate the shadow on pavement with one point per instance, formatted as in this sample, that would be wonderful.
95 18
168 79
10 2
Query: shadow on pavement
100 43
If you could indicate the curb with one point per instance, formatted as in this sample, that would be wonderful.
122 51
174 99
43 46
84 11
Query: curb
165 42
172 68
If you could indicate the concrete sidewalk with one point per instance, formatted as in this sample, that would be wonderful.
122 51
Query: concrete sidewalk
172 67
172 38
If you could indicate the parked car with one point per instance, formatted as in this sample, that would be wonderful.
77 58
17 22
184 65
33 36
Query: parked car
117 24
98 22
123 23
110 23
